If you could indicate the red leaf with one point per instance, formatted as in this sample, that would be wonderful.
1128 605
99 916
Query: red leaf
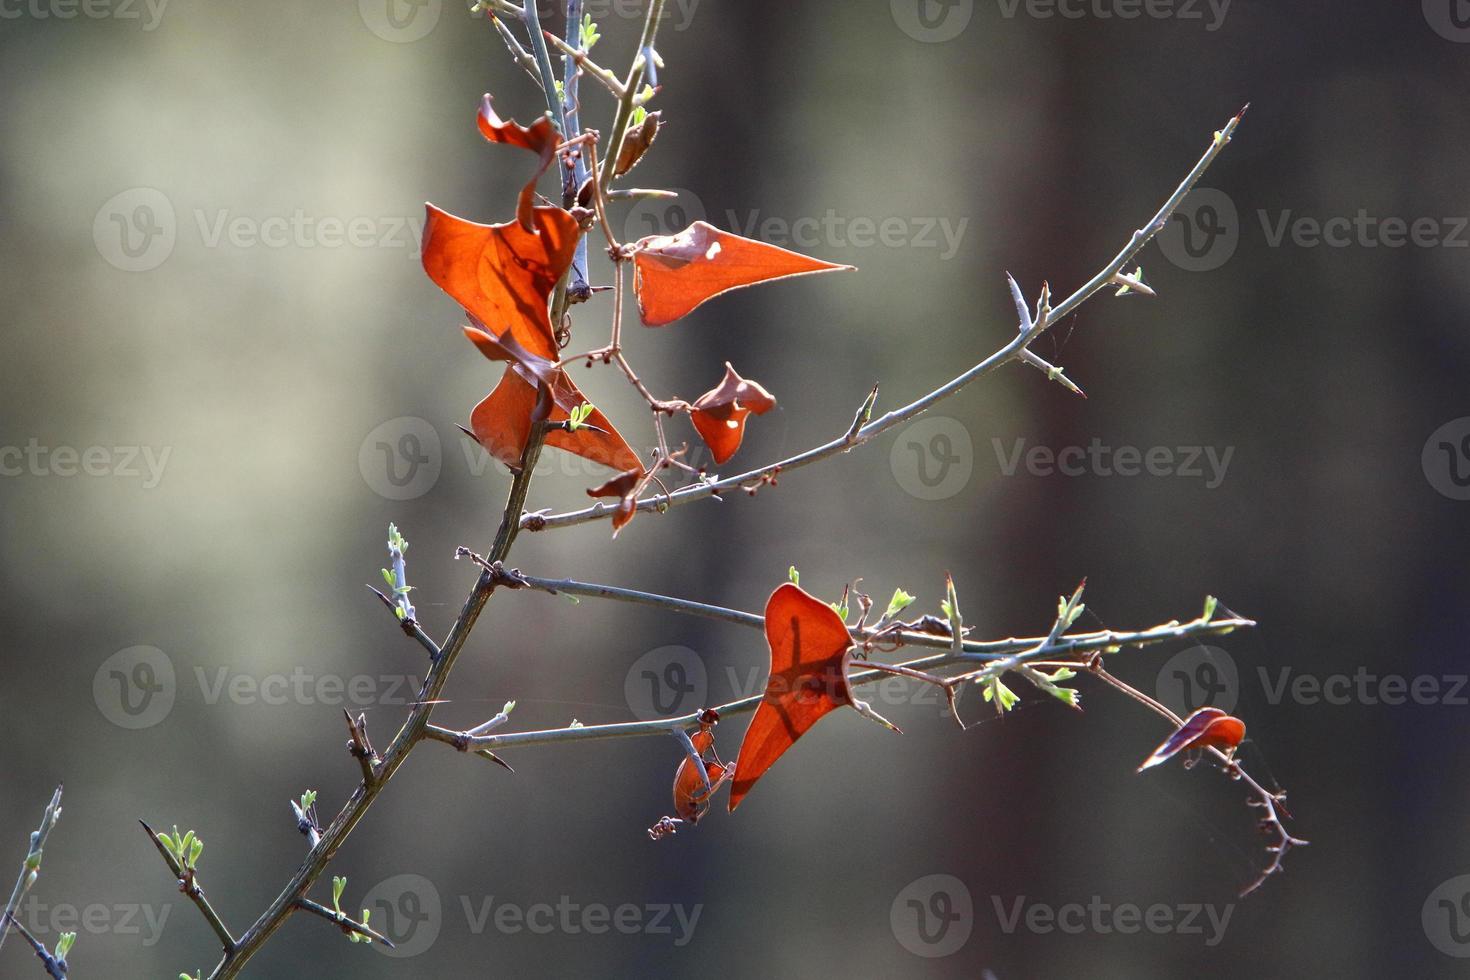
690 799
541 138
624 486
809 653
719 414
503 274
502 423
1206 728
676 273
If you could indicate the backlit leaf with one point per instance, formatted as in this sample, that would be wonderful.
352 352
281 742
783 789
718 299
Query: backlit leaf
810 648
719 414
676 273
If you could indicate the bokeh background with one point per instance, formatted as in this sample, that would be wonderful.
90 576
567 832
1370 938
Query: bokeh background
179 637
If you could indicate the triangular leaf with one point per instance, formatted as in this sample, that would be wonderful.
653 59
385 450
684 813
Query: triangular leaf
810 647
676 273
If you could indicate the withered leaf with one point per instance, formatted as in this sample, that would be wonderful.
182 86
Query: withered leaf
719 414
1206 728
810 648
674 274
541 138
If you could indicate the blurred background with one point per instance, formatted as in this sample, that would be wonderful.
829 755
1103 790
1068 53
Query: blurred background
224 373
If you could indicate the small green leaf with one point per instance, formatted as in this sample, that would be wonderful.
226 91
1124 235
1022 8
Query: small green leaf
1003 696
794 575
194 852
339 885
1211 603
388 577
901 600
64 943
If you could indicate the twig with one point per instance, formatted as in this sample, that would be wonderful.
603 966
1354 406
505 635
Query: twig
1270 803
55 967
343 921
1012 351
30 868
189 884
1072 651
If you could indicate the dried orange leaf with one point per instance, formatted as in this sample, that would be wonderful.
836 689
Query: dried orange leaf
676 273
691 799
503 274
541 138
1206 728
502 422
624 486
719 414
810 648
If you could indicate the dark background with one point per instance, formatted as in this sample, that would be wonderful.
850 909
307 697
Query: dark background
1325 369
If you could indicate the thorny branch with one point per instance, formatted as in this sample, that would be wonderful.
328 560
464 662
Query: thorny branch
993 658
